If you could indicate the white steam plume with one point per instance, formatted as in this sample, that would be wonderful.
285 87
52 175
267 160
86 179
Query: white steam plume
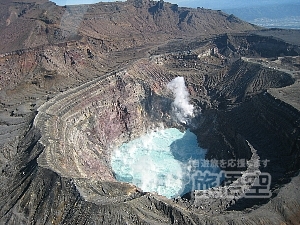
181 106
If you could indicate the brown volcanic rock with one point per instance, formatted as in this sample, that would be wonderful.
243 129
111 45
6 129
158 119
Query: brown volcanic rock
22 25
77 79
32 24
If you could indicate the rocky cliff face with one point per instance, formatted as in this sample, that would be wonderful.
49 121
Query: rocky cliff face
87 122
110 26
77 81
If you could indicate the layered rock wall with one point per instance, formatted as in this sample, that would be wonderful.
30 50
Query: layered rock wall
84 124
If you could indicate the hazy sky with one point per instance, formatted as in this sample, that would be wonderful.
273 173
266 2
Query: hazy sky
212 4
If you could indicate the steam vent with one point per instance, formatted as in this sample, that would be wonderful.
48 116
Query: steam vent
143 112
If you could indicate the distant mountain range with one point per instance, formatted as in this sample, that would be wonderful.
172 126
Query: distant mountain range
285 15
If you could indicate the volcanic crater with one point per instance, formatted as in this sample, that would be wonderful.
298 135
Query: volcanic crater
69 99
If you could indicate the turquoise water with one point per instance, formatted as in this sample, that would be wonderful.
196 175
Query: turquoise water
159 161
